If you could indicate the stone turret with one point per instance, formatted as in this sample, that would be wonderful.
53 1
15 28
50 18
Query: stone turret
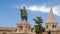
51 23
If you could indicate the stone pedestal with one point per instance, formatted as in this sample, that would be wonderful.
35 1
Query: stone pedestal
23 27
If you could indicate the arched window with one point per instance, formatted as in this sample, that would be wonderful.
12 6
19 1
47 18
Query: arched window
46 26
55 26
21 27
4 33
52 26
15 30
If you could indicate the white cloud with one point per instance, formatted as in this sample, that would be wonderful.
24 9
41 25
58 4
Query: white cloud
42 8
38 8
56 10
45 9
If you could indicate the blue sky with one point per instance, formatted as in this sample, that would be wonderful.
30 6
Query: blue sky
10 15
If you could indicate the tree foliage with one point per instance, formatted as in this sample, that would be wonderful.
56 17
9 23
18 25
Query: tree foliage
38 25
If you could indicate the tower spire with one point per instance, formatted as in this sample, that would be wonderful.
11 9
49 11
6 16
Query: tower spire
51 15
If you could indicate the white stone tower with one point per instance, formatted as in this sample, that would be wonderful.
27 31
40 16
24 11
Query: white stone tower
51 23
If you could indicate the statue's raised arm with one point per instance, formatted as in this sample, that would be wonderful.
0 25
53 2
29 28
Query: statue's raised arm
23 14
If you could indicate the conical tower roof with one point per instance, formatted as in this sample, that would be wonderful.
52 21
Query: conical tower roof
51 16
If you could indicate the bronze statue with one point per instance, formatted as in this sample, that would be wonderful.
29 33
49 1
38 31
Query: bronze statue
23 14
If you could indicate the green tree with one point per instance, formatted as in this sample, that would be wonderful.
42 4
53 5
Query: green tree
38 25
